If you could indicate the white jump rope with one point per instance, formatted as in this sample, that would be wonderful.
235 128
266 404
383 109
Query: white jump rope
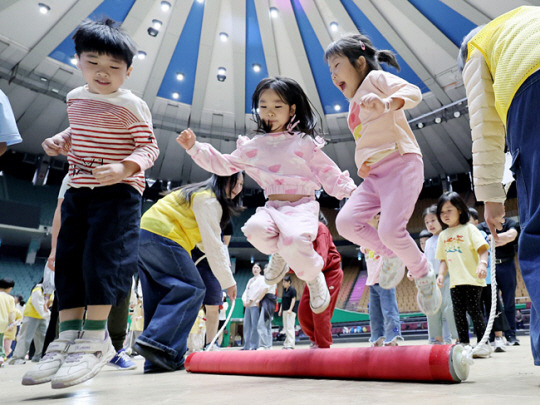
218 334
467 356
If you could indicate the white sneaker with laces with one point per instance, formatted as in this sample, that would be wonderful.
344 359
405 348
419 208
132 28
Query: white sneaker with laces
319 296
429 296
499 345
49 364
392 272
482 350
86 357
276 270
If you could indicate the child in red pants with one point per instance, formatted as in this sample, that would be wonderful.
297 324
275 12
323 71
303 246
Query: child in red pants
317 326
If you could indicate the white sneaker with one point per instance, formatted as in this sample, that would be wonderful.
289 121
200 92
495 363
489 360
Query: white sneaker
86 358
392 271
429 296
482 350
499 345
49 364
379 342
319 297
276 270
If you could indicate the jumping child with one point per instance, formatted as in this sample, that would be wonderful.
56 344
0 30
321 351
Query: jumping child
388 158
286 160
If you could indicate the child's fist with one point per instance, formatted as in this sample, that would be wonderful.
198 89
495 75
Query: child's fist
186 139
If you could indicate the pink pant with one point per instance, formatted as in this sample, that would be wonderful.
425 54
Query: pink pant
392 188
288 229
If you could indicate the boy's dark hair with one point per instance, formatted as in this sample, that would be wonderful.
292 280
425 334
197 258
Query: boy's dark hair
21 300
6 283
218 184
473 213
352 46
290 93
104 37
287 279
432 209
425 234
455 199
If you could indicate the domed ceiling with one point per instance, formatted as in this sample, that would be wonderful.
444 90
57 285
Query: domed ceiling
200 60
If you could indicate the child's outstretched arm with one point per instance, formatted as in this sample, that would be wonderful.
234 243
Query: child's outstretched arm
335 182
209 158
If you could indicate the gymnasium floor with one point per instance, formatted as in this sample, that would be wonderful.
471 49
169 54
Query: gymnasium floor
506 378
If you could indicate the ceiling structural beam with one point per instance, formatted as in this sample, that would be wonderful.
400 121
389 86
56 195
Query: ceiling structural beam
267 37
59 31
7 3
467 10
136 15
171 35
293 33
238 37
392 36
208 37
418 19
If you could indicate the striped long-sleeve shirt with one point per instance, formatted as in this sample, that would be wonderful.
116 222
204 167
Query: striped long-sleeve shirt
108 128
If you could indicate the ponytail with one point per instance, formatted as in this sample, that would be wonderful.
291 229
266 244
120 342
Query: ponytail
387 57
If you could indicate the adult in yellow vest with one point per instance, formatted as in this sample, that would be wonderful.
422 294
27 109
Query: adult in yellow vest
36 317
501 73
172 287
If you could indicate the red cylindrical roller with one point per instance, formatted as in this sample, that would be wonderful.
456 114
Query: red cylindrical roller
401 363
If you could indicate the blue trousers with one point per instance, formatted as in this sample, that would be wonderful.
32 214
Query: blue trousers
383 314
173 293
523 139
251 334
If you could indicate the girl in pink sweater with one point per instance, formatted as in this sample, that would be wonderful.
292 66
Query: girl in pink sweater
388 158
286 160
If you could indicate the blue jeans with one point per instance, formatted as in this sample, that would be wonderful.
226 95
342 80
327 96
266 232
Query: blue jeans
264 328
523 137
251 335
383 314
173 292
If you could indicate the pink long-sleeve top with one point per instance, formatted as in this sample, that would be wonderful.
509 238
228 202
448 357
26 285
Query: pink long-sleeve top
375 133
281 163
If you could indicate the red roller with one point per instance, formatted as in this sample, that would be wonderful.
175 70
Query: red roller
401 363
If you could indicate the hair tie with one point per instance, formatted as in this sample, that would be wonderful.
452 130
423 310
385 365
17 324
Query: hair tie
362 45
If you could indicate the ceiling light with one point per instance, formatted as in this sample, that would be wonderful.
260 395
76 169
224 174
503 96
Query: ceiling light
337 107
141 55
156 24
176 95
43 79
152 31
437 120
222 74
179 77
44 8
334 26
223 36
420 125
274 13
256 67
165 6
457 114
55 91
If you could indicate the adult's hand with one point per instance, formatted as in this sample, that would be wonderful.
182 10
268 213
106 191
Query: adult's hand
494 216
231 292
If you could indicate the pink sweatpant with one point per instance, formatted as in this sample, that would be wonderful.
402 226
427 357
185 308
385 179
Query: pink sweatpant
288 229
392 188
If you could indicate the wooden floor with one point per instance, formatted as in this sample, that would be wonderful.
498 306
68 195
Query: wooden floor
506 378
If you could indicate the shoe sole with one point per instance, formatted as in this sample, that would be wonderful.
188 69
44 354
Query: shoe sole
499 350
419 297
395 282
33 381
322 308
277 279
133 367
97 368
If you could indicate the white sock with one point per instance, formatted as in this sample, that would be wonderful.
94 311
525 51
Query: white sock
69 335
93 334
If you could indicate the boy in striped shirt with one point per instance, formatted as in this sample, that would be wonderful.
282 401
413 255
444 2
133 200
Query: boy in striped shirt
109 144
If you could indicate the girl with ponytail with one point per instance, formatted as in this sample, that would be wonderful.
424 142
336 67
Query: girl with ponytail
388 158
